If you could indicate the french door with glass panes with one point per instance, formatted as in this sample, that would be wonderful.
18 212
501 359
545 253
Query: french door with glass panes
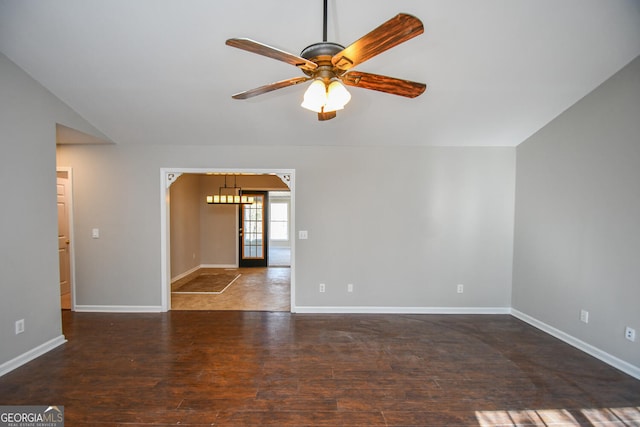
253 231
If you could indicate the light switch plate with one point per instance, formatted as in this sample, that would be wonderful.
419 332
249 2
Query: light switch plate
584 316
303 235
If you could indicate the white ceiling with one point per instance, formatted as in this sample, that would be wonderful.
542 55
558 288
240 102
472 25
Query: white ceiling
159 72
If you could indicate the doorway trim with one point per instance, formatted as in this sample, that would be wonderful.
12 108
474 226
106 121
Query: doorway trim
167 176
72 252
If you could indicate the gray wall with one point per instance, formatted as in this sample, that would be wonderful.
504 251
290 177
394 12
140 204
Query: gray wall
404 225
29 279
185 224
577 231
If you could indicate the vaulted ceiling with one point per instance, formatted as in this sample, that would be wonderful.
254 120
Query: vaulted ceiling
159 72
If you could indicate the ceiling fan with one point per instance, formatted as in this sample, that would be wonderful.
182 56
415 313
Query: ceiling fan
328 65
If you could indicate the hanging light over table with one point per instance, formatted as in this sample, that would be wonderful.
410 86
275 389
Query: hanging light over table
224 197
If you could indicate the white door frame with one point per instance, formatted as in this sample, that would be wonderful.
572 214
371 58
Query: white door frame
167 176
72 246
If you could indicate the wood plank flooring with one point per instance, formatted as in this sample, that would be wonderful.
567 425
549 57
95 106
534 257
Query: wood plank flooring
232 368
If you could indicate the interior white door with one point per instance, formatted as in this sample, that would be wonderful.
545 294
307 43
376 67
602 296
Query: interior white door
64 242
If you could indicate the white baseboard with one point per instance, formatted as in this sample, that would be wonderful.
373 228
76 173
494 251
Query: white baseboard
118 308
401 310
16 362
218 266
186 273
607 358
198 267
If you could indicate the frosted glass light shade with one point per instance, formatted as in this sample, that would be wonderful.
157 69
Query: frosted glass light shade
315 96
337 97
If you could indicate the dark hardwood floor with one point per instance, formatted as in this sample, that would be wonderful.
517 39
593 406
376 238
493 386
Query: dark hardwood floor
264 368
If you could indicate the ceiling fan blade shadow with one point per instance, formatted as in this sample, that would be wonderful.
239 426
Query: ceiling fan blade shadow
271 52
385 84
396 30
270 87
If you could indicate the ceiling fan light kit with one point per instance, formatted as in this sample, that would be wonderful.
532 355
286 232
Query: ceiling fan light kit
328 65
337 96
320 97
315 97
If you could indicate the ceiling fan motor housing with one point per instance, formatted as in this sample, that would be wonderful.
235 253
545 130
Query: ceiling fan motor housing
321 49
321 53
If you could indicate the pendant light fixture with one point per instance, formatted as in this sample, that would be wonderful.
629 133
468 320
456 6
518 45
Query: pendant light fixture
229 195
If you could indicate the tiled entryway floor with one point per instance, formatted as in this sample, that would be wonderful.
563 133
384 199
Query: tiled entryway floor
257 289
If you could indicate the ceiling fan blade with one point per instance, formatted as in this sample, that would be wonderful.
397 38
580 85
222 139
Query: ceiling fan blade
383 84
272 52
396 30
270 87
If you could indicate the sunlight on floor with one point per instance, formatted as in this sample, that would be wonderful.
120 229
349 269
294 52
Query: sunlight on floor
561 417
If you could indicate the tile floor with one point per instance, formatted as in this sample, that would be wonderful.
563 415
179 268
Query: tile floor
257 289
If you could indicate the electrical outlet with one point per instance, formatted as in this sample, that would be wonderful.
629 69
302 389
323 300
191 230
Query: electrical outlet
322 287
460 289
350 287
584 316
19 326
630 333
